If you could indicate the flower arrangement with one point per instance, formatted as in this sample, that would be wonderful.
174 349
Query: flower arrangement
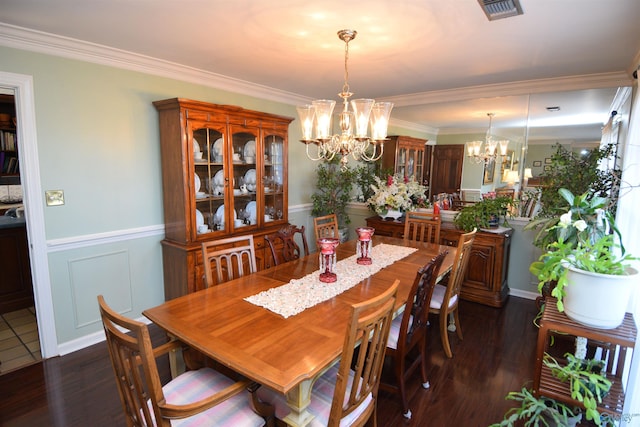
397 193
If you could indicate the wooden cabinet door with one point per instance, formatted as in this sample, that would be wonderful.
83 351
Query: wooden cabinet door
446 173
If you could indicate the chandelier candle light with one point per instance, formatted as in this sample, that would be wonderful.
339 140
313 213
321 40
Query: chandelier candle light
363 250
328 259
353 138
477 153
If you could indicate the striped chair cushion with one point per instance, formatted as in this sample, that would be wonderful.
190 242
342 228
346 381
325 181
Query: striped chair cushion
395 331
321 398
195 385
438 297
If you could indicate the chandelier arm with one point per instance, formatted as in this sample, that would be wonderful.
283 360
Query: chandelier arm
315 159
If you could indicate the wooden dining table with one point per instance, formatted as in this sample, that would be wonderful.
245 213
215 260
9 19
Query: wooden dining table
285 354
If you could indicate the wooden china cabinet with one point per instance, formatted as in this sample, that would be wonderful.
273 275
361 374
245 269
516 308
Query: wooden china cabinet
224 173
407 156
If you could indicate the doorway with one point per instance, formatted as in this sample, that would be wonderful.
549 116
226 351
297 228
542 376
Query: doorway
22 87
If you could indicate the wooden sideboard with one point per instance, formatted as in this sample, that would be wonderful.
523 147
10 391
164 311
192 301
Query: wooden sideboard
485 281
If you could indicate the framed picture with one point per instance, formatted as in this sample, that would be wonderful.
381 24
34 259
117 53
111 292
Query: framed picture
547 168
537 163
489 171
547 161
507 163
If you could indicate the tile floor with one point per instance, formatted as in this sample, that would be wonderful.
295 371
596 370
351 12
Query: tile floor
19 343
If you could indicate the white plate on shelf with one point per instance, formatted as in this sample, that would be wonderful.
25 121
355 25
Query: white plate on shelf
250 177
251 210
217 147
196 146
197 183
199 218
250 149
220 213
218 178
201 195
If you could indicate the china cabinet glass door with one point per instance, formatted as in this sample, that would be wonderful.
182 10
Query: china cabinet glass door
244 178
401 169
273 178
209 178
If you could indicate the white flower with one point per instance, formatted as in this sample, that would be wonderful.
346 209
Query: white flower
580 225
394 193
565 219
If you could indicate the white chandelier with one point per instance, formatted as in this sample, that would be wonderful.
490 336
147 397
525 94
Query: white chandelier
479 154
353 139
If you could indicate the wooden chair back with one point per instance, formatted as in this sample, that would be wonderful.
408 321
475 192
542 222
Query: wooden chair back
326 226
422 226
446 298
412 333
368 330
141 391
506 192
229 258
283 245
416 315
459 265
134 366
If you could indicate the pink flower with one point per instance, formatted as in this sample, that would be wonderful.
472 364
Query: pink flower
389 181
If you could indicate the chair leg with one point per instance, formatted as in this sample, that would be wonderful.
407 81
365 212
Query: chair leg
399 371
457 320
423 364
265 410
444 334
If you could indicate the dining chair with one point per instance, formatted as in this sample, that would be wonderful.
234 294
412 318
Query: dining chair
230 257
347 393
422 226
409 332
199 397
283 245
326 226
444 301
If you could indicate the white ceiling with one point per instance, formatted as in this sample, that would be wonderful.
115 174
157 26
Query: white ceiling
442 62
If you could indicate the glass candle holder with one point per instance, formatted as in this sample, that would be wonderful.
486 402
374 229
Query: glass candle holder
327 247
363 247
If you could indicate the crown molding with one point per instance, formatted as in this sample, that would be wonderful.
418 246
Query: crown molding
51 44
525 87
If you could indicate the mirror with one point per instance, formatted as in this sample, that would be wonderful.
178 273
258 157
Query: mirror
529 122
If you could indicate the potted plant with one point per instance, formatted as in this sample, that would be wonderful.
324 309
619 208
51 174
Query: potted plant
587 262
334 184
588 384
485 213
396 195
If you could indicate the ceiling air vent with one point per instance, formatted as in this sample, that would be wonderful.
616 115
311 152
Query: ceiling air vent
498 9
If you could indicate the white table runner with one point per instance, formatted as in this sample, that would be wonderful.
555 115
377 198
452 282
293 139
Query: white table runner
300 294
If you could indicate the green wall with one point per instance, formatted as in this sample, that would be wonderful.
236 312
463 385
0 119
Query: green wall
98 141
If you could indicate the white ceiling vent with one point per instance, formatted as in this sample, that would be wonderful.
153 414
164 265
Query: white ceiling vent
498 9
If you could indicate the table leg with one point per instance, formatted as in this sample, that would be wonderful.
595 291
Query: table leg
298 400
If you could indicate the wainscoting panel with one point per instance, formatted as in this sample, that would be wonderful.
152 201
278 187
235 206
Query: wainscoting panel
107 274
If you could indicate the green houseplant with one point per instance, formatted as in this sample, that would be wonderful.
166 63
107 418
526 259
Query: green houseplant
585 239
484 214
334 184
588 385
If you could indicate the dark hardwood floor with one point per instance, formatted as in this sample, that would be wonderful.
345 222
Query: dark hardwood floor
495 357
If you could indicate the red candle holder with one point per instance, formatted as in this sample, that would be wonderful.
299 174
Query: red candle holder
328 259
363 247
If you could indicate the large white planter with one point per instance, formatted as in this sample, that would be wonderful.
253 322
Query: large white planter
598 300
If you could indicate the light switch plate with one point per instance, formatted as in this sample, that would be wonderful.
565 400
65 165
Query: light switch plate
54 197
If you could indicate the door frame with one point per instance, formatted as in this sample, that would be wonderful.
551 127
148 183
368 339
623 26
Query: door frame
34 208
